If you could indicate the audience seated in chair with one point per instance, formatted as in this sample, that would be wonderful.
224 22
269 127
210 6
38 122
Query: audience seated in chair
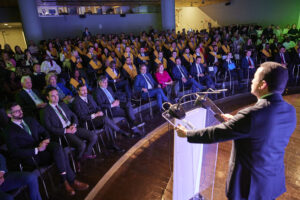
148 88
113 104
185 80
61 122
29 99
29 142
90 113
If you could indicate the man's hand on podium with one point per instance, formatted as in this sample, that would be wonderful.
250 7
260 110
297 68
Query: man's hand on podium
181 131
226 117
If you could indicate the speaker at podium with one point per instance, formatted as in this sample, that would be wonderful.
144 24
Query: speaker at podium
194 164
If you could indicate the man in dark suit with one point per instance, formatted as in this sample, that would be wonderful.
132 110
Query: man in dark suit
13 180
260 134
180 74
88 111
60 121
29 142
147 87
116 107
199 73
248 65
86 33
29 99
296 59
282 57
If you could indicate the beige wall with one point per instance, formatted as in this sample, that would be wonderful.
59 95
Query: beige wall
13 37
192 18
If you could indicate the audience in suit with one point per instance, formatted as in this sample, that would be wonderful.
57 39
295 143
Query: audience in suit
181 75
199 73
60 121
248 65
114 105
29 142
29 99
148 88
89 112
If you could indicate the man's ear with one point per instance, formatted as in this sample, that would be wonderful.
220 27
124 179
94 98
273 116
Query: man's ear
263 85
9 115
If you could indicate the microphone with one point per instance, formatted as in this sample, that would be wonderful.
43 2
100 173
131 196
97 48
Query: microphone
177 111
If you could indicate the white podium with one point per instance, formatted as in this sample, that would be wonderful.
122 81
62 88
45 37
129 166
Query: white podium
194 164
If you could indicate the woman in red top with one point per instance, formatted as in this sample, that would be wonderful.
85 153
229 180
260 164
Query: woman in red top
165 81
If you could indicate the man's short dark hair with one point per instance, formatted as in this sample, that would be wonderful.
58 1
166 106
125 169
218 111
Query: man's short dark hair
80 85
275 75
49 89
142 65
101 78
177 58
9 106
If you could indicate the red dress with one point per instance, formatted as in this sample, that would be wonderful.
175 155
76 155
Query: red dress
163 78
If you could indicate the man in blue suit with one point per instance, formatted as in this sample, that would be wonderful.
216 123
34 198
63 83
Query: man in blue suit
145 84
13 180
260 134
199 73
248 65
185 79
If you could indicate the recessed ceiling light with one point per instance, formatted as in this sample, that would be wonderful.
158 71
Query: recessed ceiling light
5 24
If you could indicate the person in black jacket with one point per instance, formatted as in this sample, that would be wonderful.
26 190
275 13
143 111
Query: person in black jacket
30 143
60 121
116 107
89 112
29 99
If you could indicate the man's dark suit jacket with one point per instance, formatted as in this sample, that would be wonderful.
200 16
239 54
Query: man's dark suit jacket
194 72
296 60
84 110
261 134
20 144
245 63
52 121
177 75
286 57
140 82
28 106
101 98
